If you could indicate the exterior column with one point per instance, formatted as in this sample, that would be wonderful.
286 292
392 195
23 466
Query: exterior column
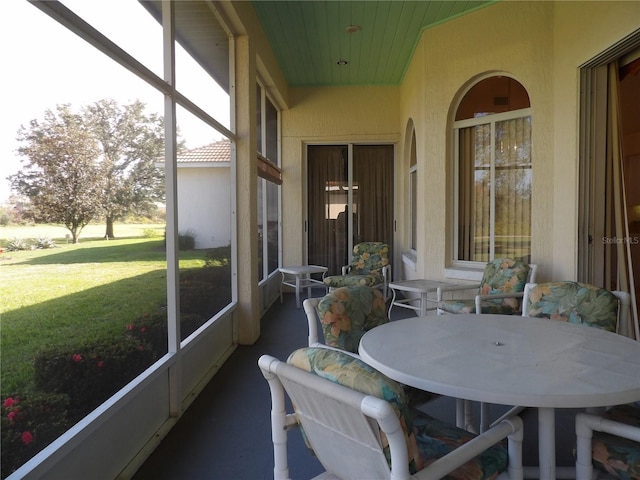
248 314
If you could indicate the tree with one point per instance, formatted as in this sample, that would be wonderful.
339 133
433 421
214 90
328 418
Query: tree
60 174
130 142
100 161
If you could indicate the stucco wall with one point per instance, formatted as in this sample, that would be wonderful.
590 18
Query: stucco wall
541 44
582 30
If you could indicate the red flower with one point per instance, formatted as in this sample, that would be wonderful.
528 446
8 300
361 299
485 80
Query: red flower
129 327
27 438
100 364
9 402
77 358
13 414
143 329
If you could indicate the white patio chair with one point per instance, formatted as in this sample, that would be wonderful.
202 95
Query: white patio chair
611 441
350 432
500 291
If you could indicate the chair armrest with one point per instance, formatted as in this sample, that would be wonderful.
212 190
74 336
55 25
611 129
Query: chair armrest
511 428
310 306
453 288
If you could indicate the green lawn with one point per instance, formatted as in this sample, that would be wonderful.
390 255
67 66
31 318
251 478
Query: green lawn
76 293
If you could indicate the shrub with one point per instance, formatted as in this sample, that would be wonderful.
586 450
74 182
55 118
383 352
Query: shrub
44 242
151 233
205 290
187 240
215 257
29 423
90 374
15 244
151 329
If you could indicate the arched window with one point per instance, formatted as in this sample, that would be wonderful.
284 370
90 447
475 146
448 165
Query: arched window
492 135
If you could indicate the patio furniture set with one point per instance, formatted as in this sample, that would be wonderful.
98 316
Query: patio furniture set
356 395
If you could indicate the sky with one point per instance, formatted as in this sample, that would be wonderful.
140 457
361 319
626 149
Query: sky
47 65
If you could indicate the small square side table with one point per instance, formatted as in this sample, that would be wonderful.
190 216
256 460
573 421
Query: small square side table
299 277
423 287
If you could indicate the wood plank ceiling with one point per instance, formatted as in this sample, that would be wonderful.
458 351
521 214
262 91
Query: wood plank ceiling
314 47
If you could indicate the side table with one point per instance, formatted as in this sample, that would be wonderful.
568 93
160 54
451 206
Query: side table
423 287
299 277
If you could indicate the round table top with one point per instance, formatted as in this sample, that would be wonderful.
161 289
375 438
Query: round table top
508 360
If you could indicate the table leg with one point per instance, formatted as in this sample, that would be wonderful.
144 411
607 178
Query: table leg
547 443
298 278
308 277
281 284
423 303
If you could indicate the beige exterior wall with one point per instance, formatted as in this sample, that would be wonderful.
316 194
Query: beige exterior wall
327 115
596 26
541 44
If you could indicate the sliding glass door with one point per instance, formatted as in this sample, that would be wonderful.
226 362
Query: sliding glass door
350 190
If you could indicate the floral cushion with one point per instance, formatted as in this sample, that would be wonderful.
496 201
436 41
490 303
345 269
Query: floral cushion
502 275
574 302
367 262
427 438
348 312
618 456
351 280
469 306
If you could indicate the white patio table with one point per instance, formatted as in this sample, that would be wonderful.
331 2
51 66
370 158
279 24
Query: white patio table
423 288
302 279
509 360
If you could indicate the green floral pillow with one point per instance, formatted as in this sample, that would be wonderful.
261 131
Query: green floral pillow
369 258
574 302
347 313
367 262
504 275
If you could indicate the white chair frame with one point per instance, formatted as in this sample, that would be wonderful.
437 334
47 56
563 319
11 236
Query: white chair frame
586 424
340 425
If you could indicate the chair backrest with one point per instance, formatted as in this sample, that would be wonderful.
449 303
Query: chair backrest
354 418
576 302
345 315
369 258
506 275
357 423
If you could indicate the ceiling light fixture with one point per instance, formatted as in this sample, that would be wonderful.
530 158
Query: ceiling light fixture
342 62
352 29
